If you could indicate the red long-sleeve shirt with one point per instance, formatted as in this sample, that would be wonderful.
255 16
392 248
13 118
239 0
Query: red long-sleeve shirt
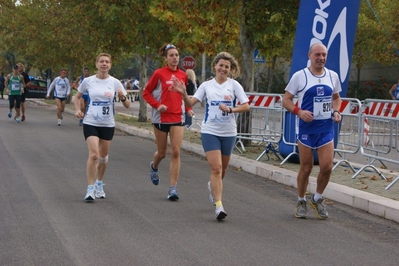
157 92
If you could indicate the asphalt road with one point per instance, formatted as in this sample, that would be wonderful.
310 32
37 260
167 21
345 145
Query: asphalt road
44 220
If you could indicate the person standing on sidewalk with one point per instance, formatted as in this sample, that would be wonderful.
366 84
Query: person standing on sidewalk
394 91
99 121
167 116
21 69
61 93
85 98
318 108
2 82
15 87
219 128
191 89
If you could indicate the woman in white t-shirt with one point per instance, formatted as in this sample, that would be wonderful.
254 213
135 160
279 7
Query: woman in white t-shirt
219 128
98 121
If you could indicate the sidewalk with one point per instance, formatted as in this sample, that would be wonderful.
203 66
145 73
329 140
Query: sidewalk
366 192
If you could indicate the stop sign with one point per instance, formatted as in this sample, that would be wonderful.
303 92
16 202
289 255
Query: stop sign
188 62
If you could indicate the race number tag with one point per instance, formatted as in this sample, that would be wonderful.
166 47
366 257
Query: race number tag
15 86
101 110
322 108
61 90
216 115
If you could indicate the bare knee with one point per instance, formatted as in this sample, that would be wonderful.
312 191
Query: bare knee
306 169
175 153
216 169
93 157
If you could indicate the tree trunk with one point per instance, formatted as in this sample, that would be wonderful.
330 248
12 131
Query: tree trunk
244 123
142 117
70 78
271 75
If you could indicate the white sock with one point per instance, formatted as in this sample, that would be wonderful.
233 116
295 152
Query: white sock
317 196
299 198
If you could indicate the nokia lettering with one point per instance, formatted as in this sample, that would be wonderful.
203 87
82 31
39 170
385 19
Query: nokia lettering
333 23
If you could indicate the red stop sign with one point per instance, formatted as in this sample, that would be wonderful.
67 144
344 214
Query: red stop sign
188 62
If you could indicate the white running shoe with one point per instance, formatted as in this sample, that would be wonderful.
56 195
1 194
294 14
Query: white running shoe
59 122
90 193
98 186
211 199
220 214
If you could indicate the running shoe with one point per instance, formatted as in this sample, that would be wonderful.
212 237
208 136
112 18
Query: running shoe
172 194
59 122
220 214
154 175
99 188
9 114
320 208
301 210
211 199
23 118
90 193
17 120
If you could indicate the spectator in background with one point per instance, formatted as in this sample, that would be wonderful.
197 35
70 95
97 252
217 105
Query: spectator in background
21 69
394 91
191 89
2 81
136 88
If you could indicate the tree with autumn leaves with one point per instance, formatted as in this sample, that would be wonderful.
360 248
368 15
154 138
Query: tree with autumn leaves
55 34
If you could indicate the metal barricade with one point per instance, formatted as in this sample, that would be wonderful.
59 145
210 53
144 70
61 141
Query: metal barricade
265 123
289 132
349 131
380 118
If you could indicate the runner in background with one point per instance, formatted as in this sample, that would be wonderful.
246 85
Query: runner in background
85 98
21 69
61 92
15 84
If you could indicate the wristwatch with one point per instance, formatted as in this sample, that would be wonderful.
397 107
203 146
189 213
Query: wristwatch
336 111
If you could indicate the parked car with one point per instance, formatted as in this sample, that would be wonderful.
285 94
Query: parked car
37 89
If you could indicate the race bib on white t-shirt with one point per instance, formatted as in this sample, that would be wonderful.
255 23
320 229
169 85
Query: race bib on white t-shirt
101 110
61 90
322 107
217 115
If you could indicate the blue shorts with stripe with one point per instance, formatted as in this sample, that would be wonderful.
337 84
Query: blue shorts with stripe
315 141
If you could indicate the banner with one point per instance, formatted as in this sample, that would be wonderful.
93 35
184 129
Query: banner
333 23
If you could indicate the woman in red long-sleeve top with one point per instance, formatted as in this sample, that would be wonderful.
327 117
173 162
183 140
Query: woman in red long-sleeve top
168 115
